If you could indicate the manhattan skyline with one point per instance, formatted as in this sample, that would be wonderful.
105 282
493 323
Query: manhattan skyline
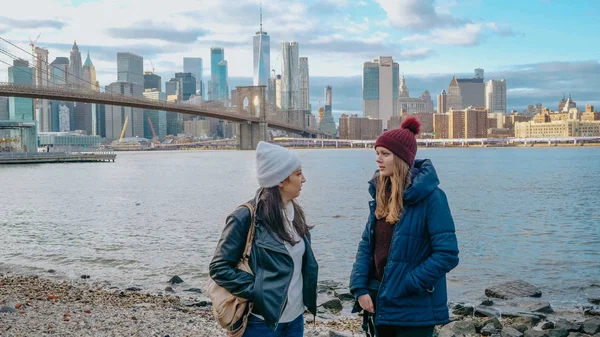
431 40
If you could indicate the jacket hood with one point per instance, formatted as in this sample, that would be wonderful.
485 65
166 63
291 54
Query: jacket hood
424 180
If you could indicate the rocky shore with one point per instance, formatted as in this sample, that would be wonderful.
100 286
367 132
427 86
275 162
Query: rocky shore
39 306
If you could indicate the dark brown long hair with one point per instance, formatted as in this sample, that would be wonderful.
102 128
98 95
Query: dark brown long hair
270 210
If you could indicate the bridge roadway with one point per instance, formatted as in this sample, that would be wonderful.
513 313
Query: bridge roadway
432 142
89 96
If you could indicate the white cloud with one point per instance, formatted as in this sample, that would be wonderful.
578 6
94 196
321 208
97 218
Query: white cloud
470 34
417 14
415 54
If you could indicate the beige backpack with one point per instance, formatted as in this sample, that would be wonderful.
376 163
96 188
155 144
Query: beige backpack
228 309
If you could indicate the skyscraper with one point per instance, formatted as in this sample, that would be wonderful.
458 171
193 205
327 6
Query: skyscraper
42 107
442 103
130 68
223 88
290 77
262 56
304 84
495 96
115 115
152 81
380 88
217 55
19 108
75 67
187 84
59 68
193 65
327 123
89 75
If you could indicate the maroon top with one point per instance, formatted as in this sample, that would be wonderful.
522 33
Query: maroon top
383 240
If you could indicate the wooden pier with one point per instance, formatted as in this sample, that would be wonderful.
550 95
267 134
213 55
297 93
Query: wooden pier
57 157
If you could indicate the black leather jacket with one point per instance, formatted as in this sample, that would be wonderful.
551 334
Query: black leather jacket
270 262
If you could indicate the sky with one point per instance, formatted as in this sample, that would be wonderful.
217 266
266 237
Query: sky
543 48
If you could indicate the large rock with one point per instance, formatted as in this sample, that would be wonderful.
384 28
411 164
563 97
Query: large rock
562 323
458 329
175 280
489 330
328 286
591 326
462 309
524 323
510 332
333 305
535 333
513 289
594 300
558 333
343 294
483 311
543 307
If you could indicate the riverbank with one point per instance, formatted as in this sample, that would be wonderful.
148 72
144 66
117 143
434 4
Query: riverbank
37 306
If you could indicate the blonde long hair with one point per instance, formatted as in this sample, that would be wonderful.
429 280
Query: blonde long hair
390 191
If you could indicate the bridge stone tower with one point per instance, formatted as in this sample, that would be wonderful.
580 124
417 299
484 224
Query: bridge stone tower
251 101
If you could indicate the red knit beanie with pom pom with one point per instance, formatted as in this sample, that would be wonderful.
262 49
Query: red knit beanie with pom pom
402 142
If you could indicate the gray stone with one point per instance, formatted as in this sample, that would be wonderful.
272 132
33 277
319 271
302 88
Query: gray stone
591 326
487 303
169 289
594 300
513 289
558 333
464 327
194 290
458 329
535 333
562 323
489 330
340 333
134 289
523 323
7 310
511 332
462 309
543 307
547 325
591 312
575 334
333 304
494 322
328 286
343 294
175 280
482 311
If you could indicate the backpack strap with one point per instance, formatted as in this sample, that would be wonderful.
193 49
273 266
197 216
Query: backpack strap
250 237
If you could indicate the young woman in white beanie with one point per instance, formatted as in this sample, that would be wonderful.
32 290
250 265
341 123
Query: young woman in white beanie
284 279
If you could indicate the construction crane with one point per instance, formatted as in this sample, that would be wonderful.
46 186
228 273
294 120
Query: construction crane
152 128
152 64
124 127
32 44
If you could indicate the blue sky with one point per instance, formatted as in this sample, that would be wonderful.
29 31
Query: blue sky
543 48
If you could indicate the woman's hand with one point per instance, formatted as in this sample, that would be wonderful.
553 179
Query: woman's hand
366 303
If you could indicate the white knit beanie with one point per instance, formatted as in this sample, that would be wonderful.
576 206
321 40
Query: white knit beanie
274 164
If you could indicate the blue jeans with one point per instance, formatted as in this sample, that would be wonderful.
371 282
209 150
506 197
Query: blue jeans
258 328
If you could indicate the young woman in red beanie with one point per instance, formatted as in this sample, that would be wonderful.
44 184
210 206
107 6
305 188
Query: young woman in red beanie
409 243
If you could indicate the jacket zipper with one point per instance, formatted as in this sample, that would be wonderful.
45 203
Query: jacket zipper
286 253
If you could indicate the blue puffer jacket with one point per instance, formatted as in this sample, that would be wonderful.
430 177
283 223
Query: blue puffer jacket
423 249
